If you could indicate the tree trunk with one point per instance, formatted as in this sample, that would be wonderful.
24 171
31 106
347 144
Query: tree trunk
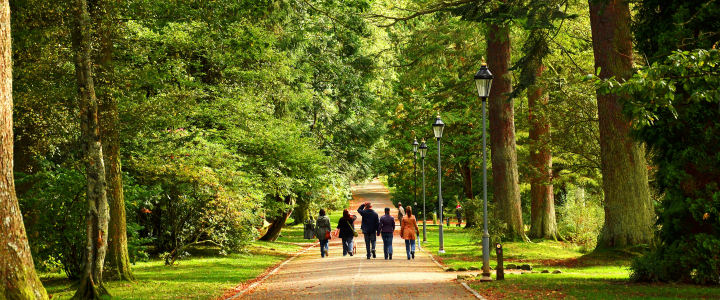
277 223
91 286
118 258
301 212
18 279
628 209
502 128
542 221
467 192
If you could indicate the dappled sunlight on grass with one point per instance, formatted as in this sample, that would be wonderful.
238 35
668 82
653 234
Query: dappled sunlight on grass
597 275
194 277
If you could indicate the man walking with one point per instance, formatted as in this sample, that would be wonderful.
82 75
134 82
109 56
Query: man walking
387 227
370 227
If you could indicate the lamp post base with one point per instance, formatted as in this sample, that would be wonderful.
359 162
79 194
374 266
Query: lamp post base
441 251
485 277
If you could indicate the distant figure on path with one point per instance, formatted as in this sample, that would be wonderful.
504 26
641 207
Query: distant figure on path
401 213
458 214
347 232
370 227
322 232
408 231
387 227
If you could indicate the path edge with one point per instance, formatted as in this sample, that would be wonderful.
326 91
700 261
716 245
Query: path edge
462 282
252 286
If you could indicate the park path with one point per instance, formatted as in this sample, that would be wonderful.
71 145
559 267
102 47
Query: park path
337 277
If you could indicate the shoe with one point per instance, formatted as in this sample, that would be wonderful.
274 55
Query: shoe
368 257
390 256
413 254
373 254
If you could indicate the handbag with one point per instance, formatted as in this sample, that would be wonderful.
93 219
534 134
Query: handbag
355 234
327 235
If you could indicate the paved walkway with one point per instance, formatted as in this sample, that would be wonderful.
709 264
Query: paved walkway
337 277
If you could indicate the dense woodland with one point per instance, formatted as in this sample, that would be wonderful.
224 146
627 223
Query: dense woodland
135 129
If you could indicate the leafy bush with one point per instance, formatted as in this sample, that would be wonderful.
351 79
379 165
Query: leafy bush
581 217
53 208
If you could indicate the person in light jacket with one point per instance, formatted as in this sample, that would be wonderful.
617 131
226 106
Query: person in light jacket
322 228
347 232
370 227
387 227
408 231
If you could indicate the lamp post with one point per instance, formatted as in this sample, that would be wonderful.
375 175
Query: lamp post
415 152
483 81
423 152
438 127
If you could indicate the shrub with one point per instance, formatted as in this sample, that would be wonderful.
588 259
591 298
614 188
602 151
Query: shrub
581 217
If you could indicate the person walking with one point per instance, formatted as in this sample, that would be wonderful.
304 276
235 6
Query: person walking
347 232
458 214
322 232
387 227
401 213
409 231
370 227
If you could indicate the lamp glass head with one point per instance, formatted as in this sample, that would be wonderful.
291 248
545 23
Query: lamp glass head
415 146
438 127
423 149
483 81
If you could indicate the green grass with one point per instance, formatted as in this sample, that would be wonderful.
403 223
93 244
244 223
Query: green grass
602 283
204 275
600 275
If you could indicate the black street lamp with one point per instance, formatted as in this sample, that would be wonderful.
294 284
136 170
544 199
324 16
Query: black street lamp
483 82
415 152
438 127
423 152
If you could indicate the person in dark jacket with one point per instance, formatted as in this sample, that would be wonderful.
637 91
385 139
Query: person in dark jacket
322 228
387 227
347 232
370 227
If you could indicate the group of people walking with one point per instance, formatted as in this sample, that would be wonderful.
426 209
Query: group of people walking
372 226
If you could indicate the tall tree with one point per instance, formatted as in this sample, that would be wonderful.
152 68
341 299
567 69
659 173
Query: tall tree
118 258
542 208
91 286
628 208
502 132
18 279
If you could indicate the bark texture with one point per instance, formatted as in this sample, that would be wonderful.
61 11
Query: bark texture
502 133
628 208
18 279
542 220
466 173
277 223
117 257
91 285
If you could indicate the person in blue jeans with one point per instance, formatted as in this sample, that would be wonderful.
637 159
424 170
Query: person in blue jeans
370 227
322 232
387 227
347 232
409 231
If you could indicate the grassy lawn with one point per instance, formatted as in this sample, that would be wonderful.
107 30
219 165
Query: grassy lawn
596 275
201 276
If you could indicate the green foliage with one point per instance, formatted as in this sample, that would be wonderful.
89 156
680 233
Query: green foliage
676 105
664 26
580 217
56 203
